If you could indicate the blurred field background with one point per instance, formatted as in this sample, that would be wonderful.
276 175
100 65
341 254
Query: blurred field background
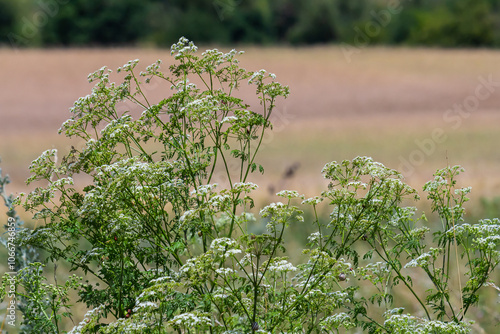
383 104
374 78
363 82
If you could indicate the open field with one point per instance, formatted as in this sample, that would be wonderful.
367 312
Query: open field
380 104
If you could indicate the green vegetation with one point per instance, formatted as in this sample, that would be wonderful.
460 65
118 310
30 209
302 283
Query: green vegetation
447 23
167 240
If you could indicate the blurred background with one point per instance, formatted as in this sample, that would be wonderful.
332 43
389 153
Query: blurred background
415 84
457 23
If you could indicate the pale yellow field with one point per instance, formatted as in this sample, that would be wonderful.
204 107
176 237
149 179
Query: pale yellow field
378 105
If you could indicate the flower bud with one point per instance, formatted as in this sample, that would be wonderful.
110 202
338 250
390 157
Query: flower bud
255 326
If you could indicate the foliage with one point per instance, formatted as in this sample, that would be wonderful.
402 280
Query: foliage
164 248
124 22
42 305
23 256
20 260
88 22
7 19
464 23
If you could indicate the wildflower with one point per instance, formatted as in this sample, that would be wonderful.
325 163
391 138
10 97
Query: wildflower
190 319
313 200
289 194
281 266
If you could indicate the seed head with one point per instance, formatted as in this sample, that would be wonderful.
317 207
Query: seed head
255 326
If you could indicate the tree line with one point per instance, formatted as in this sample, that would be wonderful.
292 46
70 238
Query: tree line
448 23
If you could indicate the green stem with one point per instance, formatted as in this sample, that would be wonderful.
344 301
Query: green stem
398 272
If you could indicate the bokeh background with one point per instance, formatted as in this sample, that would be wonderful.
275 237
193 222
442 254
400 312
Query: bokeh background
395 80
413 84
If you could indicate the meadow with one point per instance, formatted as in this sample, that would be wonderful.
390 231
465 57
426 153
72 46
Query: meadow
399 106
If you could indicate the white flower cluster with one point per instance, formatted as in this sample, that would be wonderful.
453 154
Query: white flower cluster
281 266
359 166
379 171
337 215
396 185
313 200
225 247
425 259
229 119
375 271
488 243
89 320
339 297
129 66
402 215
116 129
99 74
62 182
434 185
153 69
463 191
225 271
184 86
183 47
220 294
248 260
244 187
446 327
124 325
337 321
94 252
339 193
162 279
257 77
315 237
190 264
219 202
190 319
222 244
123 225
405 323
204 189
160 287
357 185
485 234
189 216
43 166
280 214
421 261
203 110
145 306
289 194
213 58
486 227
333 300
271 209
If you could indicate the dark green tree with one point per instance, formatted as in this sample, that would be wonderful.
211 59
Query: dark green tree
7 20
458 23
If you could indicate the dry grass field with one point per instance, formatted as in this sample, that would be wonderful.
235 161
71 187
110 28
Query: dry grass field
380 104
394 104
